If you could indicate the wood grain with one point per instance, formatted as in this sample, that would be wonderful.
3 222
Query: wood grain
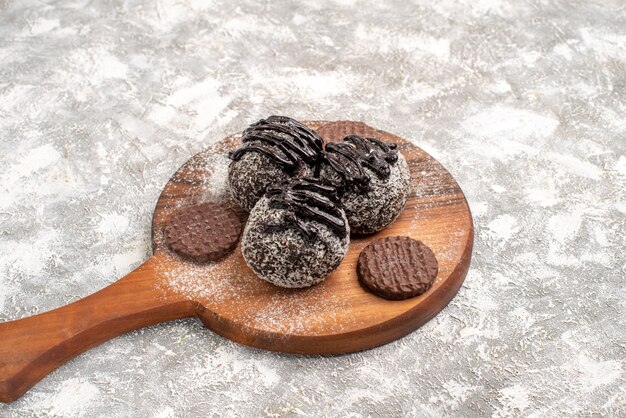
336 316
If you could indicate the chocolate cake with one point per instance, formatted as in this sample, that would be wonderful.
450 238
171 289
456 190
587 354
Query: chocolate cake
373 180
297 234
274 150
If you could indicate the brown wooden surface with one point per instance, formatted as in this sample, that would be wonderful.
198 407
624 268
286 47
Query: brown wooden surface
335 316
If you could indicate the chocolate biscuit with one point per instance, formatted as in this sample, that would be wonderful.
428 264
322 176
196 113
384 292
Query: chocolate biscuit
397 267
204 232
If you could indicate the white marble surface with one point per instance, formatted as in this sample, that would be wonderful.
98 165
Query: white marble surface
524 102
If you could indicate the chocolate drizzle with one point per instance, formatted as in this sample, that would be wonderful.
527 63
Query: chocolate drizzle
349 157
306 199
284 140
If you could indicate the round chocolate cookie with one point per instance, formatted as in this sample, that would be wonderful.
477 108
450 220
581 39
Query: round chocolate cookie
397 267
204 232
274 150
296 234
373 179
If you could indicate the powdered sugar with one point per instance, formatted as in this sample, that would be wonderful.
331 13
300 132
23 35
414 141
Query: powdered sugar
231 290
228 287
234 292
216 185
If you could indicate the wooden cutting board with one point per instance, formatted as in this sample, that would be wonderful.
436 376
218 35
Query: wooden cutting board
335 316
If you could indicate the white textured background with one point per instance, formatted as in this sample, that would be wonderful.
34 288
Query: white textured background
523 101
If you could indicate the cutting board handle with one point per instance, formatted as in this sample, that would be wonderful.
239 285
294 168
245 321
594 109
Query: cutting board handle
30 348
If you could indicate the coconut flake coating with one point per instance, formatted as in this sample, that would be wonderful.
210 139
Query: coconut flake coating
273 150
372 210
251 175
286 257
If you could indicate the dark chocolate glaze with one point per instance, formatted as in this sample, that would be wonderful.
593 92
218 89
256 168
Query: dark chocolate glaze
306 199
284 140
349 157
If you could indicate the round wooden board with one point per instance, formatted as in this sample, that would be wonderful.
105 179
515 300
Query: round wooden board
337 315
